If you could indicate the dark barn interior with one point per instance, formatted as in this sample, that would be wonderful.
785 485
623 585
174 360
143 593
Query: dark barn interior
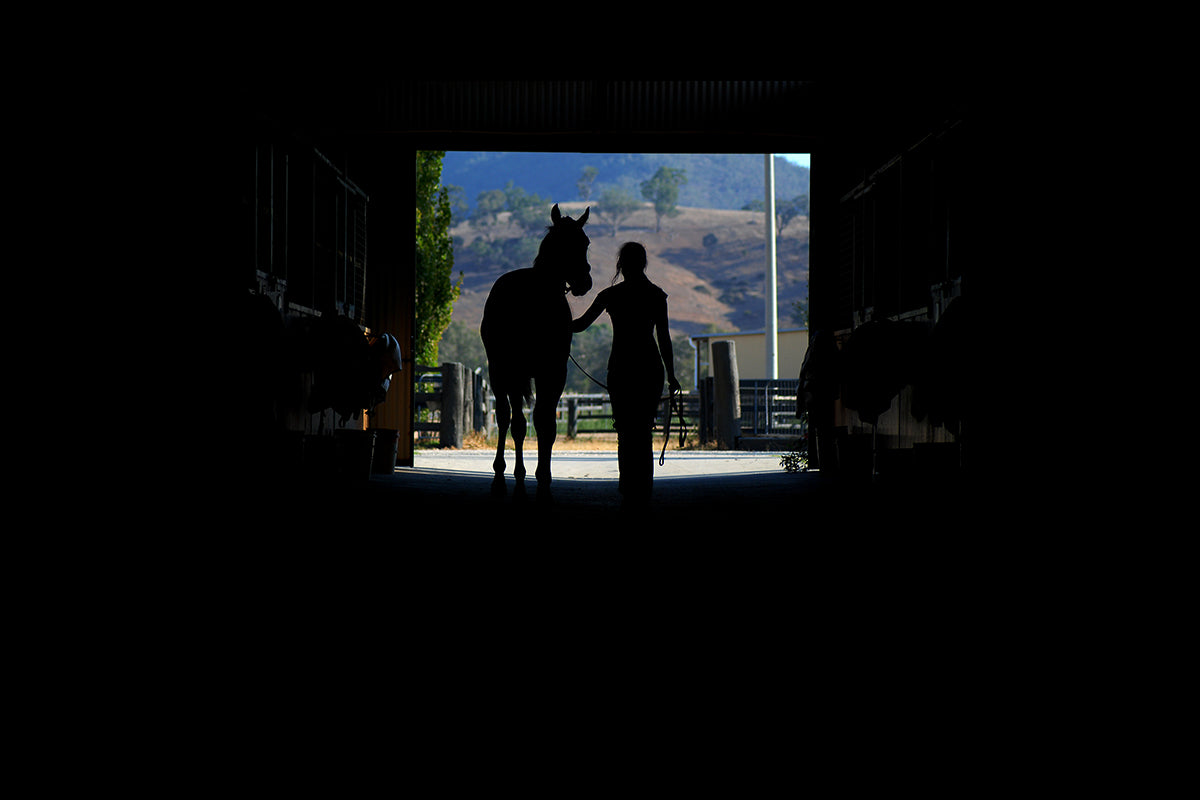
903 247
867 604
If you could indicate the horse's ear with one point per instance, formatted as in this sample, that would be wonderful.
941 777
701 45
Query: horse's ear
554 215
583 217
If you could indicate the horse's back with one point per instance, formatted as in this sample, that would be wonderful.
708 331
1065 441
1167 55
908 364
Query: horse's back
524 325
502 309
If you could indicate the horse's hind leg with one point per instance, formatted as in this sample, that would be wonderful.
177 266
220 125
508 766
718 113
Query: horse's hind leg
518 434
503 418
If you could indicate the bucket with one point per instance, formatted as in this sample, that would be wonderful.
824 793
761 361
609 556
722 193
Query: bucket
353 451
386 442
318 455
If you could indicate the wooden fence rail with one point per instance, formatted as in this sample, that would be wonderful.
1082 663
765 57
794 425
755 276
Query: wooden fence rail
592 414
452 401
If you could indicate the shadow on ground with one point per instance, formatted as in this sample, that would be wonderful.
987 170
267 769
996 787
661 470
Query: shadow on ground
762 504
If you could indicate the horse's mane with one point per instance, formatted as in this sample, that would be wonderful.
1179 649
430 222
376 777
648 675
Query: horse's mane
538 260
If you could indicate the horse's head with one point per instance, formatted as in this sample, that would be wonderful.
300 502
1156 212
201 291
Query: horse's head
564 252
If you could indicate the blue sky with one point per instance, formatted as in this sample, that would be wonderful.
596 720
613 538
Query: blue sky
800 159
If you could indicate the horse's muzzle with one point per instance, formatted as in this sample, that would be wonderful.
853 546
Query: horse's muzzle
581 286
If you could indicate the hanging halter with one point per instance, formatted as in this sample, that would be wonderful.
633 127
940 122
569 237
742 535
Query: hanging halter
678 408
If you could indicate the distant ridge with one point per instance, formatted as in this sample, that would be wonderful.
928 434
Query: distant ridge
717 181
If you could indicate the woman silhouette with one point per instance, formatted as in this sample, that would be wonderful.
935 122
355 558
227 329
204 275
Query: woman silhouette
635 366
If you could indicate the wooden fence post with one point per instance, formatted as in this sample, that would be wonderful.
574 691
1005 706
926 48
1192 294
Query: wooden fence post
727 410
452 405
467 423
479 393
572 417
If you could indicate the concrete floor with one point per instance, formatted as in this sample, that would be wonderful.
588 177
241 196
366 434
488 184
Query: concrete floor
698 491
695 493
731 537
585 486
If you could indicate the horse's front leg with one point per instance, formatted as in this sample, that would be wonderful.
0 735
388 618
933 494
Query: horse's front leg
546 425
518 434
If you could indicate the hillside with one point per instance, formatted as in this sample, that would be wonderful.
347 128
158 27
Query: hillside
715 286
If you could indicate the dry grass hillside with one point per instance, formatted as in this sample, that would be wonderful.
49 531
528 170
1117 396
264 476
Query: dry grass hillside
718 285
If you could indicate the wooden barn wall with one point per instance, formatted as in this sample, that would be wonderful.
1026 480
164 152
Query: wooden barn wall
391 279
893 239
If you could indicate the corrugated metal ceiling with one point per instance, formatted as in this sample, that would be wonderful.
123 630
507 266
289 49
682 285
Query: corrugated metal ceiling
583 105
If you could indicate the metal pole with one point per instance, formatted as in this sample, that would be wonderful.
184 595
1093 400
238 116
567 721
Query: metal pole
287 209
271 231
772 332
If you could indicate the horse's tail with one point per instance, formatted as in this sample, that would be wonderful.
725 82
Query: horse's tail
500 331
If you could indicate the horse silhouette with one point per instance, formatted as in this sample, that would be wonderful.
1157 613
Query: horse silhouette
526 332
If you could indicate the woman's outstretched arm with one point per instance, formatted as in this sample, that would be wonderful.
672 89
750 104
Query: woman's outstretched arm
589 316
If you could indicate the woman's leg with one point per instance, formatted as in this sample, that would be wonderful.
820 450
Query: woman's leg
635 398
635 458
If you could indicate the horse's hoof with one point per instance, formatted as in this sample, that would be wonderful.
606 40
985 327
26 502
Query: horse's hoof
498 487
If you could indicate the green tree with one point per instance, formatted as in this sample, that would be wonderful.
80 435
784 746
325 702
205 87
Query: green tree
521 251
461 343
488 206
663 191
800 312
584 184
435 290
590 349
788 210
529 211
615 205
785 210
459 208
685 364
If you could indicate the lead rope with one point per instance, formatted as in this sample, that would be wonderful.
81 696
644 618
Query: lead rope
585 372
677 407
672 406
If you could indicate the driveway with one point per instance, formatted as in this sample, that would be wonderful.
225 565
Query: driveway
600 464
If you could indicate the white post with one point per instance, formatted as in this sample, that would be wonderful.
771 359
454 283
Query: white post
772 332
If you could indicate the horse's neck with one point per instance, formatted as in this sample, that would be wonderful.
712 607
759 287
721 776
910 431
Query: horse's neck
541 279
